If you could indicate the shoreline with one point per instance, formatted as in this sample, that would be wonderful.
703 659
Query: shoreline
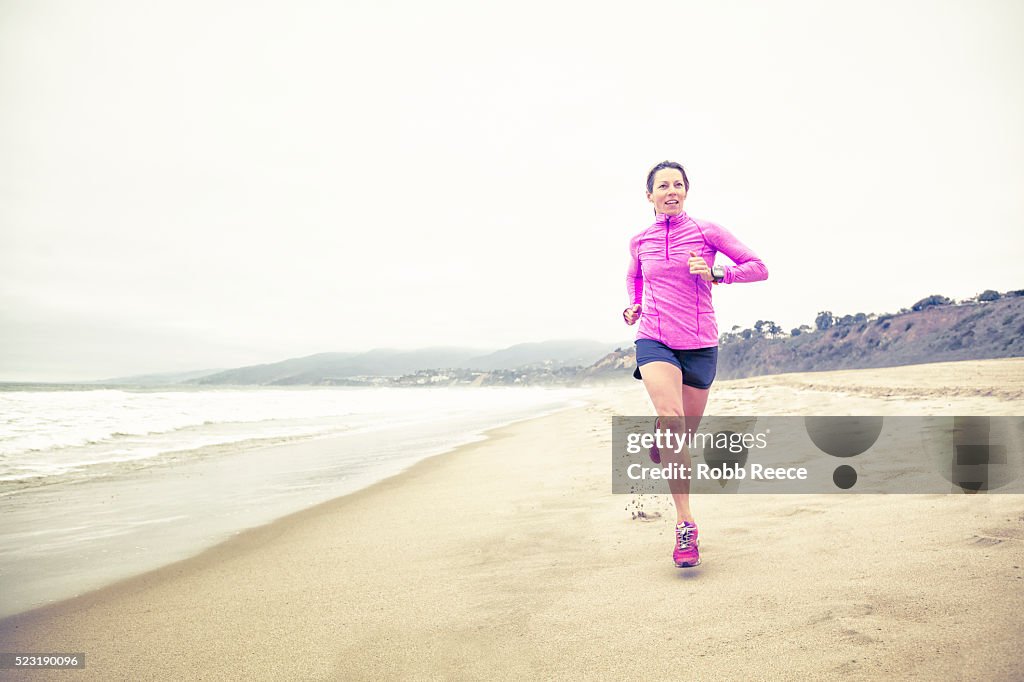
511 554
257 534
222 523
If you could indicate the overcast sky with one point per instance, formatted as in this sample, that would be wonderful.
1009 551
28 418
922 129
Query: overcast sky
211 184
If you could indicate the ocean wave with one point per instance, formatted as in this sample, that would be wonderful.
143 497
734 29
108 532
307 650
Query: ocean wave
20 478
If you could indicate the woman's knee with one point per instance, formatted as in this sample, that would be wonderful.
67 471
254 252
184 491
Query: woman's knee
668 409
674 421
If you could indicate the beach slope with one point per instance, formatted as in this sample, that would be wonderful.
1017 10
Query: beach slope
510 558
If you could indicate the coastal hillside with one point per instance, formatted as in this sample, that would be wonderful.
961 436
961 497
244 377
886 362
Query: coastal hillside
932 330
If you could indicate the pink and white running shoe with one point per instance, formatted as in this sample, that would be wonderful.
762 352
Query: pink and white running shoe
686 553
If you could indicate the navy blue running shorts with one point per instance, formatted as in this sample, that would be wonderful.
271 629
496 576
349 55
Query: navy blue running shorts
698 365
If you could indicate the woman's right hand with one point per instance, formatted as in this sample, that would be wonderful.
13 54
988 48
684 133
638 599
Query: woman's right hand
631 314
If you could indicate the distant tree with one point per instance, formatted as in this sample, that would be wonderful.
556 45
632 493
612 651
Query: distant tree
1015 292
988 295
845 319
824 320
767 329
764 328
795 331
806 328
747 333
929 301
860 318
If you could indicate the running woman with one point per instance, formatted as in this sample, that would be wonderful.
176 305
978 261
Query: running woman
671 272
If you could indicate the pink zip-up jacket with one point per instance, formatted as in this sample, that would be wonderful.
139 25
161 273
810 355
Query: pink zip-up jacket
675 305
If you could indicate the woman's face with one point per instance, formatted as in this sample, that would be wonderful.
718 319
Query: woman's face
669 191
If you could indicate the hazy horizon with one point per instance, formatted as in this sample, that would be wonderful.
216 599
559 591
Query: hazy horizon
191 185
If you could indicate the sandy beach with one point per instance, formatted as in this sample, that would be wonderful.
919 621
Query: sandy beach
510 558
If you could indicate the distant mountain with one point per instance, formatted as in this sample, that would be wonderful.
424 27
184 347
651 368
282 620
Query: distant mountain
941 332
162 379
337 368
578 352
325 367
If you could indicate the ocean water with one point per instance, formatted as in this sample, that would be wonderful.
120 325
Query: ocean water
98 484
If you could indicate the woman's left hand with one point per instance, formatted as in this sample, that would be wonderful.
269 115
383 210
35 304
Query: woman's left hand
699 266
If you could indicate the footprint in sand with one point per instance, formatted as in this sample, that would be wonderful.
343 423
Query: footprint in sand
801 510
986 540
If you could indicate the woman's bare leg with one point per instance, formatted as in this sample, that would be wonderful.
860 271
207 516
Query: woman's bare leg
678 407
664 384
694 402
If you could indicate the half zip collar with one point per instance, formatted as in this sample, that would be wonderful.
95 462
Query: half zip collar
672 220
668 223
